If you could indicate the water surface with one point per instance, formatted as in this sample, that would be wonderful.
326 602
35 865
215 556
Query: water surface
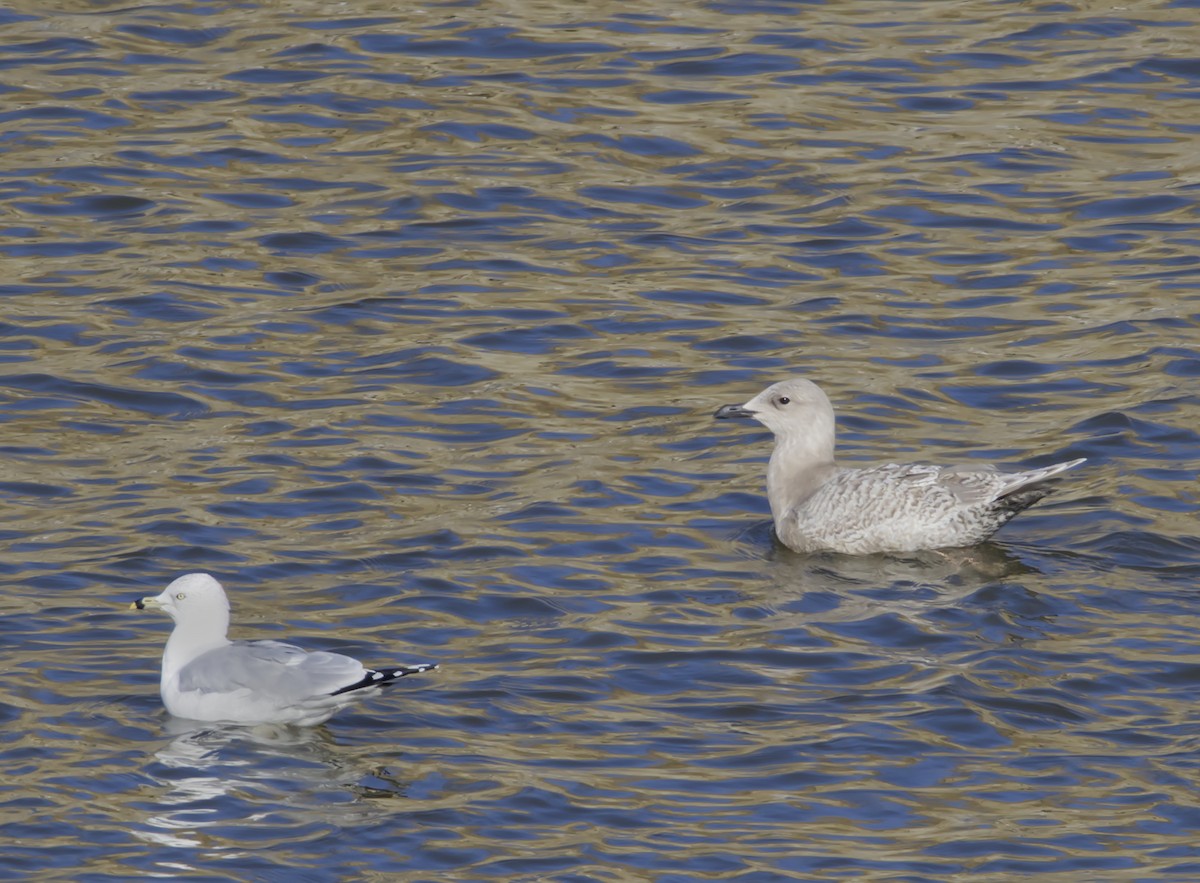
408 325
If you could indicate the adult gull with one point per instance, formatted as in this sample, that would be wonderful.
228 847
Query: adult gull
821 506
207 677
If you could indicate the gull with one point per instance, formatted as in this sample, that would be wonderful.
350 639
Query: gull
819 506
207 677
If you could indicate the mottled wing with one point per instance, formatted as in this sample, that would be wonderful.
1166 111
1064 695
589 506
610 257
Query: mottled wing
977 483
965 484
911 506
892 507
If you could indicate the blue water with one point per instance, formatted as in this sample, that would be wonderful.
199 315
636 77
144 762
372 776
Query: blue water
408 325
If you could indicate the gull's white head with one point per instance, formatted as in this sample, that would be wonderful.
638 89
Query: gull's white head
801 418
195 597
789 408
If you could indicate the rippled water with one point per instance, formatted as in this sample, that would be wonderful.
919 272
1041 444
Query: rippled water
408 324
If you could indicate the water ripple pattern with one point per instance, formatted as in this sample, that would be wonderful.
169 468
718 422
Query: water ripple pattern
407 322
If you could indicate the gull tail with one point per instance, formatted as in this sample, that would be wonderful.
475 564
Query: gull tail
384 676
1035 480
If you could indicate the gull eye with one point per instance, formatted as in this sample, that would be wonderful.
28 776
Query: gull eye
180 596
783 400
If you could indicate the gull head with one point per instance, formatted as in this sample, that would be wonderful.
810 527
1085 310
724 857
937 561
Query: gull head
196 596
787 408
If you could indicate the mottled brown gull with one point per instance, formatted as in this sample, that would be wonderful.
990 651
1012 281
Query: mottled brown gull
821 506
207 677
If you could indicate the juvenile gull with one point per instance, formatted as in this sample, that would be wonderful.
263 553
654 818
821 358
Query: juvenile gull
207 677
820 506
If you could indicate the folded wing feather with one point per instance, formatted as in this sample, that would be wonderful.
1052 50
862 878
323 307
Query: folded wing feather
283 670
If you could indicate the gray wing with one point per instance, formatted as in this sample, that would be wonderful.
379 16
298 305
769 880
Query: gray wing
974 483
281 670
968 485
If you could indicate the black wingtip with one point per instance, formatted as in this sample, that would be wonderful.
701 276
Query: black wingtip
384 676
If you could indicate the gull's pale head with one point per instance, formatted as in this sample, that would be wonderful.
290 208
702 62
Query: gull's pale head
192 596
787 408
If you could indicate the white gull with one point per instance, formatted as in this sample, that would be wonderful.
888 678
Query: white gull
207 677
821 506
